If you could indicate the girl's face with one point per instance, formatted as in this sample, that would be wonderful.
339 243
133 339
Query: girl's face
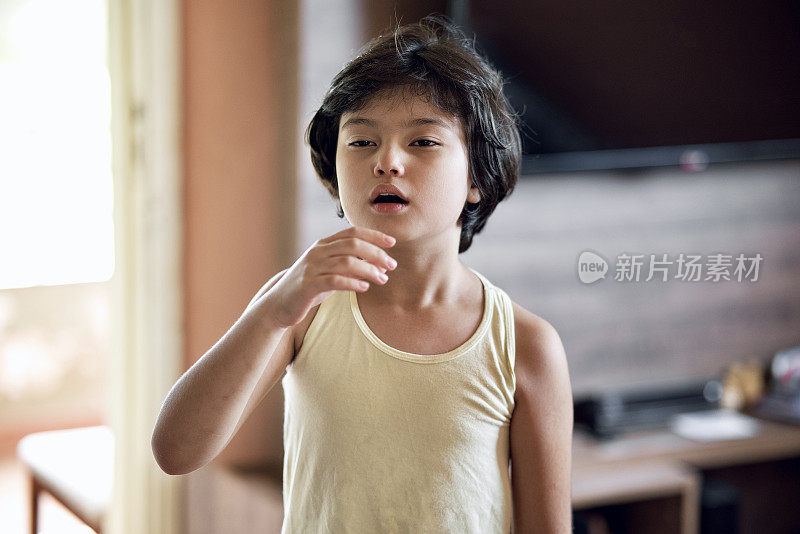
414 146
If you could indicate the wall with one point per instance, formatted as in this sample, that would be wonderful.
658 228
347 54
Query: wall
628 333
240 94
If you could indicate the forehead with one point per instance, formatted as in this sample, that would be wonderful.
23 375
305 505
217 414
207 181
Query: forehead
400 109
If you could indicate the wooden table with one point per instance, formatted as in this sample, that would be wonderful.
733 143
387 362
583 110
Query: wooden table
651 465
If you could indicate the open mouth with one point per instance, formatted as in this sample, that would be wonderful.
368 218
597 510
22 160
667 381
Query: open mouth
388 198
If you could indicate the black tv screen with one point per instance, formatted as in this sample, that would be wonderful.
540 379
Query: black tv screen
641 83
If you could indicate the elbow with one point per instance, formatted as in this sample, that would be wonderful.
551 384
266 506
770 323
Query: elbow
170 460
162 457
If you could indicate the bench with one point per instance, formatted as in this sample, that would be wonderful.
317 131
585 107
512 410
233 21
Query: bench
75 466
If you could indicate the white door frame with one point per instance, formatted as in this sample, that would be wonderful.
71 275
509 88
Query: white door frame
144 61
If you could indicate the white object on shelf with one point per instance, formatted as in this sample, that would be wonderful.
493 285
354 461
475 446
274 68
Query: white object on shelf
714 425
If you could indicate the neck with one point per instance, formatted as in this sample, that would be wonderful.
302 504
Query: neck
427 274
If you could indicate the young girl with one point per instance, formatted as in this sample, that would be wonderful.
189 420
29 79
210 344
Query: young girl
407 395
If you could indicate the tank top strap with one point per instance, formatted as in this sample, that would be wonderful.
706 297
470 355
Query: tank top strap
503 323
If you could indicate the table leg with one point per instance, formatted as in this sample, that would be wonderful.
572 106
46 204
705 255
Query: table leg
35 490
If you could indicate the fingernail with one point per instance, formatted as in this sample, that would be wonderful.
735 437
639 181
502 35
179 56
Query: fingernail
392 263
383 277
390 239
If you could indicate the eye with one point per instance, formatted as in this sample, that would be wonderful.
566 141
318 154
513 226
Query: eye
356 143
432 143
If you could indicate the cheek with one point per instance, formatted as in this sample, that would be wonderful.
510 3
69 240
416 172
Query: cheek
345 173
345 161
342 167
455 162
337 163
464 163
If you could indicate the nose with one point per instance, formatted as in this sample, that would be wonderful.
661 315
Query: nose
389 162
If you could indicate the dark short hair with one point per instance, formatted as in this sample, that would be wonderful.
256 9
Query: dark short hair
437 61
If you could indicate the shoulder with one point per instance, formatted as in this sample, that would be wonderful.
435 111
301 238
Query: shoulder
540 360
541 428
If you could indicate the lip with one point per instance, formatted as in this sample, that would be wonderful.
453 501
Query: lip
386 188
389 207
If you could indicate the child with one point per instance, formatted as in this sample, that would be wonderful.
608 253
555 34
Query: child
407 396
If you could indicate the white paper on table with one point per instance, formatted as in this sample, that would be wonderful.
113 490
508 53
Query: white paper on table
714 425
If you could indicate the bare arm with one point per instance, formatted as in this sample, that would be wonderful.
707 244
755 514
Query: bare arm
206 406
541 430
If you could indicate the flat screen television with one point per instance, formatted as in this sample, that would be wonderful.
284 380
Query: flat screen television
644 83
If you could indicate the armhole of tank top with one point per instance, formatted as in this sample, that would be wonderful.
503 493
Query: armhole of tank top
511 347
314 324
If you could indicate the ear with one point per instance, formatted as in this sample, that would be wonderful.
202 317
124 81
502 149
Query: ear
474 195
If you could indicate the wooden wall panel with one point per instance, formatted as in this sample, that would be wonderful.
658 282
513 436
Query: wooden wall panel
619 333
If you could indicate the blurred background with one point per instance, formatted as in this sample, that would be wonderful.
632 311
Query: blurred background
153 176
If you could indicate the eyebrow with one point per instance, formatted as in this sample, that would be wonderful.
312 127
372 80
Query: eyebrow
420 121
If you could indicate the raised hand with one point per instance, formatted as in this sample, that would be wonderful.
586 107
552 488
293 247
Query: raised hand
346 260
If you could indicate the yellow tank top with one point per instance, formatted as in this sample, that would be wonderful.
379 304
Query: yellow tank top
378 440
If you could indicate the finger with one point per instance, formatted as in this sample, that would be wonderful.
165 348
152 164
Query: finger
348 265
346 283
368 234
363 250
